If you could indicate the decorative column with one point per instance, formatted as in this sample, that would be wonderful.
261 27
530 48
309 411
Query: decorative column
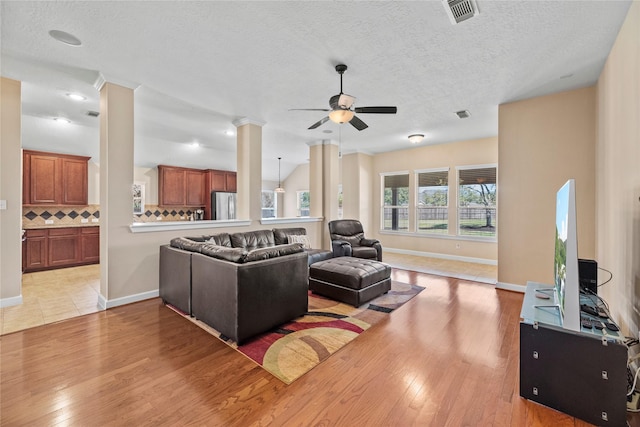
116 179
10 193
249 163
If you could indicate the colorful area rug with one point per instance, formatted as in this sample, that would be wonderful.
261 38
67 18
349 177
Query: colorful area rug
293 349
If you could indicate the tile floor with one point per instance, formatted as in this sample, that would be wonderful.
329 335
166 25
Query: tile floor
443 267
51 296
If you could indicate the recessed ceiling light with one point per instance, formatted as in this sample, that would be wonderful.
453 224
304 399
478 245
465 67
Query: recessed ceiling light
66 38
61 120
416 138
195 144
229 133
76 96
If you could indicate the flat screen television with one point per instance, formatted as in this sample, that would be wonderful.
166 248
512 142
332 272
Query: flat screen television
567 282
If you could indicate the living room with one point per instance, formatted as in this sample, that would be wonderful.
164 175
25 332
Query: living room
587 133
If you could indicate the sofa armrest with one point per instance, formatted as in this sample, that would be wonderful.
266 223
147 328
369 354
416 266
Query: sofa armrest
341 248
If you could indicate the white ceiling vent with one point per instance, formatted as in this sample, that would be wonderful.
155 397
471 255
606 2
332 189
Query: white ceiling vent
460 10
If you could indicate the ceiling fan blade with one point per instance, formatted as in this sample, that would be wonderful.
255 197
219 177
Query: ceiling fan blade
358 124
377 110
318 123
346 101
309 109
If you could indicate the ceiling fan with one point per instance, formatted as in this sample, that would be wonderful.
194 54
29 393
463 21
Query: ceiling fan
341 110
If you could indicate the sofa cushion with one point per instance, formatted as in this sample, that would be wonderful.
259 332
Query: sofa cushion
253 239
222 252
221 239
281 234
272 252
302 239
187 244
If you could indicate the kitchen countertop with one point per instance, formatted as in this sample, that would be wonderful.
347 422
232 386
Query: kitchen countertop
43 227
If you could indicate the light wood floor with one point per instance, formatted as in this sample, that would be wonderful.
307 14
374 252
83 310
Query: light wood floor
55 295
449 357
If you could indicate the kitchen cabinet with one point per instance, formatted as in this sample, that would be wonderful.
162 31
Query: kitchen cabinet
54 179
36 250
222 180
218 180
47 249
181 186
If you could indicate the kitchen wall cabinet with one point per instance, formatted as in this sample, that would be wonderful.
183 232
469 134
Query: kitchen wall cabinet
47 249
222 180
181 186
54 179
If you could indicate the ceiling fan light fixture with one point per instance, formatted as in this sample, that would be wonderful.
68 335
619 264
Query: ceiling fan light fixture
416 138
341 116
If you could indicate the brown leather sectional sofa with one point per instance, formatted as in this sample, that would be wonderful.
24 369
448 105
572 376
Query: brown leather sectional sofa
241 284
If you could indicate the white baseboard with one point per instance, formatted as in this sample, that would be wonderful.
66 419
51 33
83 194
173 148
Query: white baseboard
8 302
106 304
442 256
510 287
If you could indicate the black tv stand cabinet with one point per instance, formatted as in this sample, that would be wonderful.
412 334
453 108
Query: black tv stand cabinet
582 374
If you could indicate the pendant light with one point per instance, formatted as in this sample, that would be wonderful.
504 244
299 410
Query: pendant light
279 189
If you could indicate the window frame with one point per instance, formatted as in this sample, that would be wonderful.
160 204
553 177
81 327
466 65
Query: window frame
275 204
383 206
493 238
298 207
417 173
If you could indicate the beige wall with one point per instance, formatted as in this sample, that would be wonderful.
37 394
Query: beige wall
357 188
543 142
618 175
93 184
298 180
464 153
11 191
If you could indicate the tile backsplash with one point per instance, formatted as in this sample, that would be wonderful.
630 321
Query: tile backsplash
153 212
36 216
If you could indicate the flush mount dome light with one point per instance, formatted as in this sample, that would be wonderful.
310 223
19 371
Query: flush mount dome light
416 138
76 96
66 38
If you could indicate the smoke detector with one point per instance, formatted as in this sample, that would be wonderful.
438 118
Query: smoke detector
460 10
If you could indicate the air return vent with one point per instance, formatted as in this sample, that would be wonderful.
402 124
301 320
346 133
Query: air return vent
92 113
460 10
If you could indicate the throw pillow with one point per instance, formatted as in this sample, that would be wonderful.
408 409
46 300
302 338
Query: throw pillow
301 238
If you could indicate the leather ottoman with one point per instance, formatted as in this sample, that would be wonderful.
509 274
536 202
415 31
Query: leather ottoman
351 280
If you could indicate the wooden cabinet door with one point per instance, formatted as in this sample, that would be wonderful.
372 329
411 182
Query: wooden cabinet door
44 180
195 192
90 244
74 182
230 182
171 183
36 250
63 247
218 180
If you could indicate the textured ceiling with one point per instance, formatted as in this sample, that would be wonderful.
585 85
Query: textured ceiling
198 66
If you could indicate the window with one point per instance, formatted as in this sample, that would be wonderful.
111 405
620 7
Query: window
302 203
395 202
477 201
138 197
269 204
432 211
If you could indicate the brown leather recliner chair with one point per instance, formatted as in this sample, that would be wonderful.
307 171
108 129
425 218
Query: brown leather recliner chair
347 239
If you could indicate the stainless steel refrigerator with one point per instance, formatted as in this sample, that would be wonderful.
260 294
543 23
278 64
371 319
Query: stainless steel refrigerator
223 205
